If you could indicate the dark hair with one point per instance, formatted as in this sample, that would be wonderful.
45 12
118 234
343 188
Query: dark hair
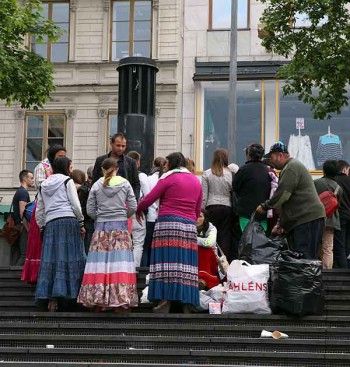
78 176
23 174
330 168
254 152
204 227
341 165
219 162
117 135
52 151
108 166
61 165
175 160
134 155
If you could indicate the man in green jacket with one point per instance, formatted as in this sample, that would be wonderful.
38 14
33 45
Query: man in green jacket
302 215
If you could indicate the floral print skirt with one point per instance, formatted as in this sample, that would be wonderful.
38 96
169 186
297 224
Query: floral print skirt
110 275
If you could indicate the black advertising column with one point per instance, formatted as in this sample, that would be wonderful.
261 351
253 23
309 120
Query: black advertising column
136 106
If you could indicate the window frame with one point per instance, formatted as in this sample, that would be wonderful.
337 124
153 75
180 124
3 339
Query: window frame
227 29
50 43
131 28
45 137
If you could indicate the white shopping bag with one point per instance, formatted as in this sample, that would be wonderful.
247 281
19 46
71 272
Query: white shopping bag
246 290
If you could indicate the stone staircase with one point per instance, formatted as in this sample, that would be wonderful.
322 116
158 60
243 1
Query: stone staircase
29 337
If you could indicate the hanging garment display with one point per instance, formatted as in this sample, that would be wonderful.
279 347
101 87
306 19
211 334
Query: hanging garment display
329 147
299 147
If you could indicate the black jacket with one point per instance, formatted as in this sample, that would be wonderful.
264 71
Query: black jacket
344 204
252 184
130 172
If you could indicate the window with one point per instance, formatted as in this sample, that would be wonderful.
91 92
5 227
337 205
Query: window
57 51
131 29
302 20
42 131
220 14
215 116
313 141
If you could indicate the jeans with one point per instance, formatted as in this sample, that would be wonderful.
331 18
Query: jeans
306 238
341 248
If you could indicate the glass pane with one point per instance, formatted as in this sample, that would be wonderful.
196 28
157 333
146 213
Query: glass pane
45 10
142 49
54 141
56 126
143 10
221 14
34 149
121 31
142 31
31 165
121 10
120 50
35 126
216 104
242 14
60 12
302 20
40 49
113 124
59 52
316 140
65 28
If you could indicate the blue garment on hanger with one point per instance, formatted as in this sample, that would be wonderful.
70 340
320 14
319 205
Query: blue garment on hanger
329 147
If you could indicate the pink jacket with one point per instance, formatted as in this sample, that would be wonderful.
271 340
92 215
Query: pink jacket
179 194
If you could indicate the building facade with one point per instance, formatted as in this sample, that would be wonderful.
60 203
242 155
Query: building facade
190 42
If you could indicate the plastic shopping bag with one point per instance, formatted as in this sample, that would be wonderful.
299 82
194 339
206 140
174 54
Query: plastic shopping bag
247 289
297 286
256 248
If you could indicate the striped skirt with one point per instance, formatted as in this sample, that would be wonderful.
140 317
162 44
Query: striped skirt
62 260
110 275
174 261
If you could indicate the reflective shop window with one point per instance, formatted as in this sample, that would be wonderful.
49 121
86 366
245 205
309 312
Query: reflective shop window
215 117
56 51
313 141
42 131
221 14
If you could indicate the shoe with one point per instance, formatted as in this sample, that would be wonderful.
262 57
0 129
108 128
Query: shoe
163 307
52 306
186 308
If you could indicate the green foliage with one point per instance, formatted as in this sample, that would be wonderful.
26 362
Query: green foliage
319 54
25 77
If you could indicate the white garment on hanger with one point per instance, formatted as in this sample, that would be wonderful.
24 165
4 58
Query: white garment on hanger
299 147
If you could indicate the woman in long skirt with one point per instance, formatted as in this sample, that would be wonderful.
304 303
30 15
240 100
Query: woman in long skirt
63 257
110 275
174 253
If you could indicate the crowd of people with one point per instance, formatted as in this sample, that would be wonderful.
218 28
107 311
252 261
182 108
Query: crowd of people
87 234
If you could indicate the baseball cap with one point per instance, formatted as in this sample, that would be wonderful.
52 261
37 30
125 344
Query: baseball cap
279 146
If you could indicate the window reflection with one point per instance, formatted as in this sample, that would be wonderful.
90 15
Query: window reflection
318 140
221 14
216 108
131 25
54 51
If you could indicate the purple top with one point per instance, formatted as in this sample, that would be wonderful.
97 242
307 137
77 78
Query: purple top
179 194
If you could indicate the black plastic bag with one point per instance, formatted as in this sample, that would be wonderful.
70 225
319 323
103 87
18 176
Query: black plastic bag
297 286
256 248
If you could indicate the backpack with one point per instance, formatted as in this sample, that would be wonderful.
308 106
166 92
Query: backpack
28 211
330 201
